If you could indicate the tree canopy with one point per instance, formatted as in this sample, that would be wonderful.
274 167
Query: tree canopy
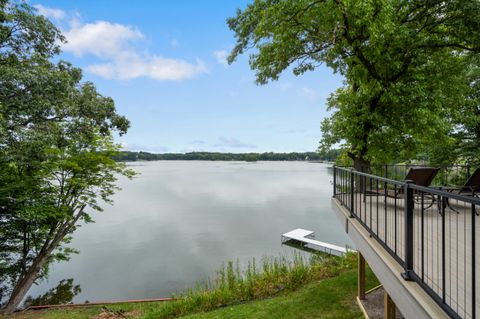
406 66
56 144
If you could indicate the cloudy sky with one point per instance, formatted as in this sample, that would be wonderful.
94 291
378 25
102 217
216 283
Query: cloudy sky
163 62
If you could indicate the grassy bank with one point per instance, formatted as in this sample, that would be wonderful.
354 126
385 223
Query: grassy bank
323 287
329 298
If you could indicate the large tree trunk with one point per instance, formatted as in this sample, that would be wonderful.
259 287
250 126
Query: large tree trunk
26 282
362 165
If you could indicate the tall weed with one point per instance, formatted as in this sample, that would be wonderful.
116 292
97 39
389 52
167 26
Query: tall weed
233 285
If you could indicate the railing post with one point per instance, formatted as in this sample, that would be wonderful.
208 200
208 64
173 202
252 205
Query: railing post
407 275
352 194
474 265
334 180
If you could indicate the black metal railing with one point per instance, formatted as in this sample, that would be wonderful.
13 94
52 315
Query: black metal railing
430 231
453 175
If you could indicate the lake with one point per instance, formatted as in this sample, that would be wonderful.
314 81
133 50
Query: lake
176 223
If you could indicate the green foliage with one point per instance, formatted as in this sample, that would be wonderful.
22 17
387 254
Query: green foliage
406 66
466 137
56 144
344 160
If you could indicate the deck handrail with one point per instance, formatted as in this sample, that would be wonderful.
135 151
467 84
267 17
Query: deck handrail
433 190
446 172
414 224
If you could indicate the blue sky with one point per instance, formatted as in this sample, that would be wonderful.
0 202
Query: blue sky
163 64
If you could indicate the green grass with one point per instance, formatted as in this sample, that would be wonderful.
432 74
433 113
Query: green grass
317 288
329 298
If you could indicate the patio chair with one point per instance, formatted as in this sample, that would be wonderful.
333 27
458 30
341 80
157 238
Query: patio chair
422 176
470 188
472 185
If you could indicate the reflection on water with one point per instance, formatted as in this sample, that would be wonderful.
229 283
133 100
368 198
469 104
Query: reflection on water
178 221
62 294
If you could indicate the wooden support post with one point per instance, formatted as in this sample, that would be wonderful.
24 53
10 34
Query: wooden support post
388 306
361 277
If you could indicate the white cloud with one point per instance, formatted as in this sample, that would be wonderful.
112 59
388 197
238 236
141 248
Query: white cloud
134 147
131 65
102 38
50 12
233 143
308 93
221 57
112 42
106 70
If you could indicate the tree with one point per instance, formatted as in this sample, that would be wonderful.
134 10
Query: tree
55 151
404 63
467 131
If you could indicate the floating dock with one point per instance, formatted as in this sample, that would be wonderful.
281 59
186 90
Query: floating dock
307 238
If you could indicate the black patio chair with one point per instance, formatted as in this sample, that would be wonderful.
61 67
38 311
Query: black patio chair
470 188
422 176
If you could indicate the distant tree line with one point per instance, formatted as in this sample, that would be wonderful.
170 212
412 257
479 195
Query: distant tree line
215 156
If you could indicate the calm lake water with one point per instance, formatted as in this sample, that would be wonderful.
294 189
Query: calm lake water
178 221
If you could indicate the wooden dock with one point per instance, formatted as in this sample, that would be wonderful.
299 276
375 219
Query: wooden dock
307 238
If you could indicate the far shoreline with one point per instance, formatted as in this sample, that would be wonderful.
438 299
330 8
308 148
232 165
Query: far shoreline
313 157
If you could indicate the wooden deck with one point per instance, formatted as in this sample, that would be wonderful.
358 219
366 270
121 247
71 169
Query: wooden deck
446 244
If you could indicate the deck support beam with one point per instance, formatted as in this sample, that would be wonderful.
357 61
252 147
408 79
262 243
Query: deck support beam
388 306
361 277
